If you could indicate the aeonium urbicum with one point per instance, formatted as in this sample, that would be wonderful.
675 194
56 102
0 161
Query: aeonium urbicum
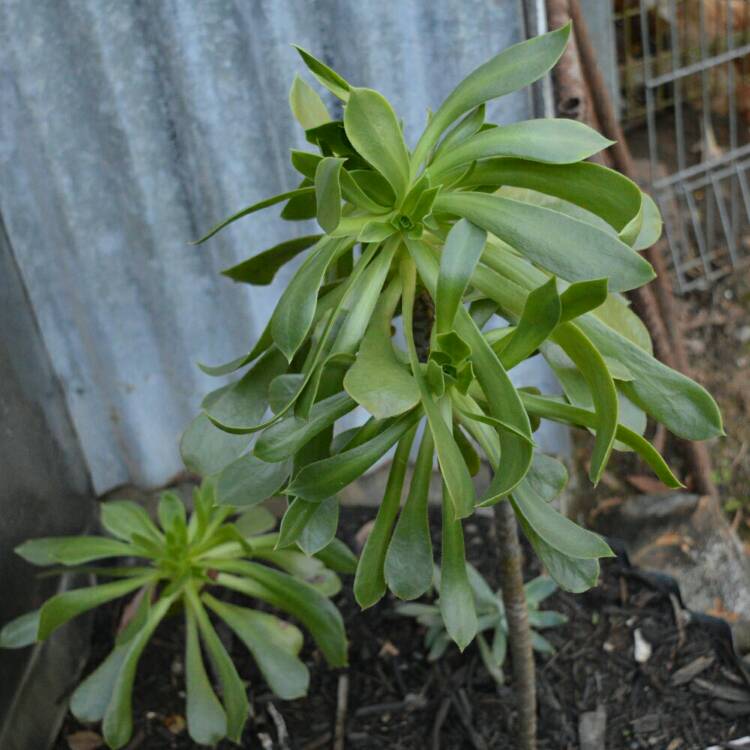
483 219
182 564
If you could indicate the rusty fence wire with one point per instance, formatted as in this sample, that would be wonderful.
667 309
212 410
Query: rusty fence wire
684 68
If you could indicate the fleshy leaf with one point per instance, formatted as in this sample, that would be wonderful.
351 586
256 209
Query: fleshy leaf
306 105
249 480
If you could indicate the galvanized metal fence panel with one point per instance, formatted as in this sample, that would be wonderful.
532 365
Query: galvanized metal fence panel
128 127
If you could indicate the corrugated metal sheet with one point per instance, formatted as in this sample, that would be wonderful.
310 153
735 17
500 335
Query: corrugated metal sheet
128 127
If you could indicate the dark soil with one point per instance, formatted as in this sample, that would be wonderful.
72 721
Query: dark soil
397 699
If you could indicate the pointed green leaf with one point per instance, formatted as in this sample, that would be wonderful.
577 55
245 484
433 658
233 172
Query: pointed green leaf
286 675
338 557
467 127
567 247
460 255
117 725
570 573
233 690
376 231
20 632
588 360
456 597
408 564
582 297
328 476
291 194
512 69
249 480
283 439
555 529
540 316
374 185
293 317
261 269
293 523
300 600
307 107
328 192
374 131
369 581
71 550
69 604
124 518
552 141
325 75
320 529
547 477
206 720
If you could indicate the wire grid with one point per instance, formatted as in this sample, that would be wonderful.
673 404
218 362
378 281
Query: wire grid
685 75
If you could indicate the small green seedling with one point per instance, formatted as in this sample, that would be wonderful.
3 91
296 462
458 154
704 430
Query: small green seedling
490 619
182 564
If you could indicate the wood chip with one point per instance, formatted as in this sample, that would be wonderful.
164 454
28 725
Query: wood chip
722 692
690 671
388 649
592 729
175 723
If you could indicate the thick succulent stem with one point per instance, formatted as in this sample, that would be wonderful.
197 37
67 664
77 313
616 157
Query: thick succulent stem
517 614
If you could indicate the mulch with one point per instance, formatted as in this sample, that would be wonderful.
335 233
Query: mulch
686 696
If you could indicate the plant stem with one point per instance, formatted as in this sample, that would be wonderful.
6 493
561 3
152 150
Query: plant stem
519 632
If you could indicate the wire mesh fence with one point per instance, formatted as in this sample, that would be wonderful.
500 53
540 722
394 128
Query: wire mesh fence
684 69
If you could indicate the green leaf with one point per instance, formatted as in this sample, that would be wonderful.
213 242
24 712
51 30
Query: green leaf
540 316
90 699
285 438
615 312
206 720
567 414
456 597
469 453
582 297
255 520
293 317
374 185
512 69
588 360
552 141
458 259
293 523
304 567
555 529
394 391
261 269
206 449
285 674
369 581
291 194
338 557
375 133
171 513
300 207
567 247
307 107
328 192
320 529
325 75
376 231
124 518
547 477
467 127
652 224
238 407
233 691
601 191
71 550
408 564
249 480
57 610
117 725
20 632
305 163
324 478
300 600
570 573
673 399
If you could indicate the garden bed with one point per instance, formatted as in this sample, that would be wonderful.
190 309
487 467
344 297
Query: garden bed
397 699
